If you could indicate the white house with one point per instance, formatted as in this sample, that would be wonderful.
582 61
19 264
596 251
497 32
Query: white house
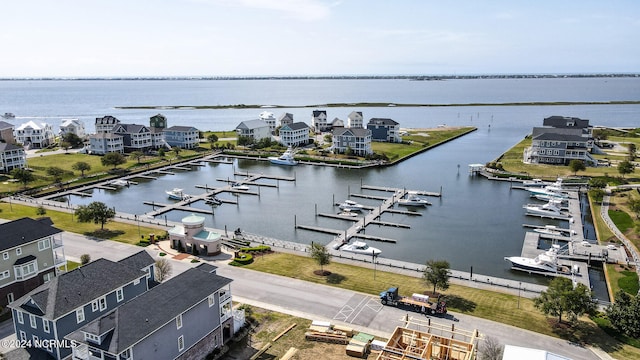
185 137
103 143
254 129
106 124
319 121
36 135
11 157
72 126
268 117
354 120
296 134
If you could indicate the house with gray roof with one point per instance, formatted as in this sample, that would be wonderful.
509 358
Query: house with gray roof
356 140
135 137
384 129
355 120
254 129
559 141
285 118
294 134
11 157
74 299
103 143
31 252
186 317
106 124
184 137
6 132
319 121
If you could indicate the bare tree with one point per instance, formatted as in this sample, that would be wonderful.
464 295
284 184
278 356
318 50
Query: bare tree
163 269
490 349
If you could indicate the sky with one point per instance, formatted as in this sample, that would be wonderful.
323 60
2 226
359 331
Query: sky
131 38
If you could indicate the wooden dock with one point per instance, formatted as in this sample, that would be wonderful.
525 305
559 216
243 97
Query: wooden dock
391 189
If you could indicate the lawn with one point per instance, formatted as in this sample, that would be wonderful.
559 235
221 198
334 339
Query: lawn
418 140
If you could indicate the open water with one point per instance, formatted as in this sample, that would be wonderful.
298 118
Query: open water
475 224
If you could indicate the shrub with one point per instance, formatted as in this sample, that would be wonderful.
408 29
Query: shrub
162 254
243 259
260 248
85 259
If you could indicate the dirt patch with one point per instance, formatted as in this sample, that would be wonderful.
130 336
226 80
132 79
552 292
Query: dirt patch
181 256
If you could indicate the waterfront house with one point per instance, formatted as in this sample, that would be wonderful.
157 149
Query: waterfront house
384 129
356 140
285 118
73 299
103 143
6 132
184 137
11 157
187 317
134 137
295 134
193 238
106 124
355 120
72 126
157 124
268 117
31 251
319 121
254 129
336 123
560 140
34 135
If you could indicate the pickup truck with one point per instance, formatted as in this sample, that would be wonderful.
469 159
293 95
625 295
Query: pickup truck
416 302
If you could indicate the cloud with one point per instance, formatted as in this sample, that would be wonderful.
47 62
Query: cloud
303 10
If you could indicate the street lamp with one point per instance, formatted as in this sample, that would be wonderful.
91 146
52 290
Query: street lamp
519 286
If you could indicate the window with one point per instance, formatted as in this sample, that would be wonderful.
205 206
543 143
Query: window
212 300
92 338
10 298
32 321
94 305
103 303
5 274
44 244
47 277
23 336
5 256
181 343
119 295
45 325
179 321
136 281
26 270
20 317
80 315
19 251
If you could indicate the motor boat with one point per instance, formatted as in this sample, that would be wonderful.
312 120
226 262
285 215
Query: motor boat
119 182
545 262
535 183
239 186
285 159
212 201
413 200
555 231
547 197
360 247
9 115
351 206
552 208
347 213
556 189
177 194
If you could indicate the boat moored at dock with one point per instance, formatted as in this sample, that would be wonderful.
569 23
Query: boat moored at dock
413 200
360 247
285 159
177 194
351 206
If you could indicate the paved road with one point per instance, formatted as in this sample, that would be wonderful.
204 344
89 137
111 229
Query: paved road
319 302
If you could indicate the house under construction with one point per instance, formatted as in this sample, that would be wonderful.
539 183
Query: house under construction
423 340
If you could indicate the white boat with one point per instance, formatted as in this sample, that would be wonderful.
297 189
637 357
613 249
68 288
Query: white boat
119 182
360 247
535 183
545 262
555 189
212 201
554 230
177 194
285 159
239 186
351 206
413 200
348 213
9 115
546 197
549 209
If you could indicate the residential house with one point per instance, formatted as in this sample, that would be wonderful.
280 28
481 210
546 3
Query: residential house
76 298
254 129
358 140
559 141
134 137
193 238
355 120
319 121
336 123
34 135
383 129
6 133
31 251
185 137
186 317
106 124
12 157
157 124
268 117
285 118
295 134
72 126
103 143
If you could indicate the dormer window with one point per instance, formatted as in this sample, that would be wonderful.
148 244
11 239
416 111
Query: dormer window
92 338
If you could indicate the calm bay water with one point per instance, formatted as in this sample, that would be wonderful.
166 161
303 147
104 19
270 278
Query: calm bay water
476 222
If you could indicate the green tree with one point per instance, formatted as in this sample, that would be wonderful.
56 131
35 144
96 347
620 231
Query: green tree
41 210
597 194
176 150
161 152
624 314
72 139
634 205
56 173
436 273
632 151
320 254
81 166
625 167
23 175
137 155
212 138
65 145
113 159
96 212
577 165
85 259
562 297
597 183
